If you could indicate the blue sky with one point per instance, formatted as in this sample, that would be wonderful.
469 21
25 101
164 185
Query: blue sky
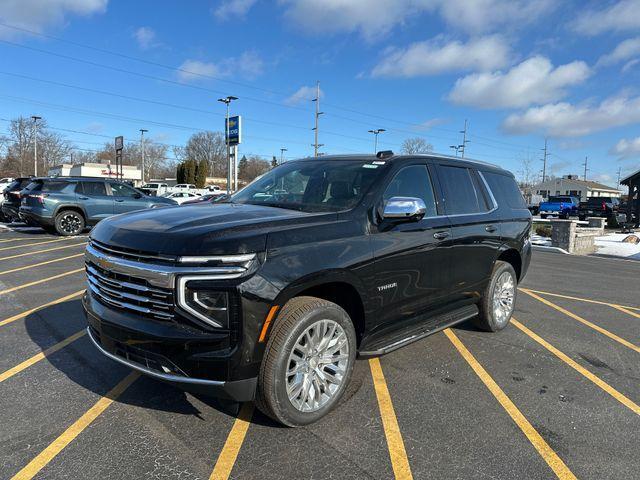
519 71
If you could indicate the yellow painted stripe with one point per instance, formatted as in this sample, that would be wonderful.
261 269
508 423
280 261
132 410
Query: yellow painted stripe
597 328
579 368
41 263
42 280
40 356
60 443
397 452
580 299
32 244
32 310
626 310
19 239
229 453
42 251
543 448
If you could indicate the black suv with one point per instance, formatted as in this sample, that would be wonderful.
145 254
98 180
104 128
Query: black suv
11 198
271 294
65 205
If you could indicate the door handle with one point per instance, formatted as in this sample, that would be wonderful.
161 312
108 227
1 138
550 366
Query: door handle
83 198
490 228
120 201
440 235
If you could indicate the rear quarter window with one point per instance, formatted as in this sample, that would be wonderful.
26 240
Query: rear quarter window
505 190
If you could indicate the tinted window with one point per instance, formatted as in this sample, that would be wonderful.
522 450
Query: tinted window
120 190
460 194
93 188
505 189
413 181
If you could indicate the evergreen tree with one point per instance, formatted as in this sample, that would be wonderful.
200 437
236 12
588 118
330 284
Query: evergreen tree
180 173
202 173
274 161
190 167
242 167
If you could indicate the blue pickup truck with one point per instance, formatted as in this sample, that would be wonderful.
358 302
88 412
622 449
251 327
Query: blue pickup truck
562 206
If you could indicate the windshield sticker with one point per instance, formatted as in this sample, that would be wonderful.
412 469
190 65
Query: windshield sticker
377 162
369 165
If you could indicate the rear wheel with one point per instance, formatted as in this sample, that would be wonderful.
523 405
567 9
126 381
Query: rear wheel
308 361
69 222
499 298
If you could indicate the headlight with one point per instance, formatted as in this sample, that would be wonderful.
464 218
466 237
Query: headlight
210 306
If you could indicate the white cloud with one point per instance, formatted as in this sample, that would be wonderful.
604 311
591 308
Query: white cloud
374 18
303 94
630 64
621 16
568 120
629 49
37 15
627 148
247 65
227 9
435 56
534 81
146 37
429 124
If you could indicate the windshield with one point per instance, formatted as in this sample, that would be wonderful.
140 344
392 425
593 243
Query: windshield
311 186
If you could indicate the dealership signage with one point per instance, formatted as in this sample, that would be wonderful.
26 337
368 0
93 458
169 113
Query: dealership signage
234 130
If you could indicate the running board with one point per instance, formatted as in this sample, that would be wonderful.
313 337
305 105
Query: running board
404 336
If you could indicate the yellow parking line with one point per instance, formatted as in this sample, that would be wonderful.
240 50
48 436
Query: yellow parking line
42 251
20 239
397 452
579 368
32 244
41 263
625 310
42 280
60 443
546 452
40 356
597 328
568 297
32 310
231 448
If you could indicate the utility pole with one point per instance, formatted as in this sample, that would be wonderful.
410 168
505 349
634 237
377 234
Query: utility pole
376 132
35 144
544 161
586 159
317 145
227 101
142 132
619 172
282 150
463 147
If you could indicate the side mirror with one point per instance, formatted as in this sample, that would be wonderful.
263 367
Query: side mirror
137 195
404 208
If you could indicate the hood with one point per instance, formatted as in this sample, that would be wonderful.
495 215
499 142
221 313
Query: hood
201 229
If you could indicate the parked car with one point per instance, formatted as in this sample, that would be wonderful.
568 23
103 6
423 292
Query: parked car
4 183
67 205
200 199
154 189
12 199
272 294
181 197
606 207
562 206
182 187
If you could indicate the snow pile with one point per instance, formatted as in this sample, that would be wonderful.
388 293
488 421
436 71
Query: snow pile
612 244
540 240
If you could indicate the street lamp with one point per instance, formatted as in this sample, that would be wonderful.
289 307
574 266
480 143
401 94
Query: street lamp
456 148
376 132
35 119
282 150
227 101
142 132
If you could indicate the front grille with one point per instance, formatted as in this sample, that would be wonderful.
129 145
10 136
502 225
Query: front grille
130 293
131 254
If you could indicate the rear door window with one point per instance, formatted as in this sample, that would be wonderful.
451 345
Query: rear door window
460 192
505 189
94 189
121 190
413 181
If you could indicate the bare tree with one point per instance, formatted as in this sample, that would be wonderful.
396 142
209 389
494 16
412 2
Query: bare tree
156 161
252 167
208 146
416 145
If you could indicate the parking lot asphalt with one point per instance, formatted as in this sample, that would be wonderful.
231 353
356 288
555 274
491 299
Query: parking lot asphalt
554 395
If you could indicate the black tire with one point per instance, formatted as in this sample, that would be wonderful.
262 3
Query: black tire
488 320
543 215
563 216
69 222
582 218
294 319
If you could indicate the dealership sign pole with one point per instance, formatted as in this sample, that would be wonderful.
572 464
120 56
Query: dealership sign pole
119 147
234 135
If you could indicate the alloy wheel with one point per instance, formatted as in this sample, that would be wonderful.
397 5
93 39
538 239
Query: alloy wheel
504 294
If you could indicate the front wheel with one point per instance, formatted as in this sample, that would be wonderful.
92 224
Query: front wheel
308 361
69 222
499 298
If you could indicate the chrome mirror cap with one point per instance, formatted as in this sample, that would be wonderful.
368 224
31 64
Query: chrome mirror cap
408 208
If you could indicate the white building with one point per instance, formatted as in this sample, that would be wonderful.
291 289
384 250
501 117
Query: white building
572 185
129 172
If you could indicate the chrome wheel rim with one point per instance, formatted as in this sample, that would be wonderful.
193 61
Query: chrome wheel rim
70 223
317 365
504 294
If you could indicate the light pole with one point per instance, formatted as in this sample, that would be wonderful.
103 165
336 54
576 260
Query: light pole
282 150
376 132
35 144
227 101
142 132
456 148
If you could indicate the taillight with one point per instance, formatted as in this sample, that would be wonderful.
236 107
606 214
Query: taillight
39 197
604 206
